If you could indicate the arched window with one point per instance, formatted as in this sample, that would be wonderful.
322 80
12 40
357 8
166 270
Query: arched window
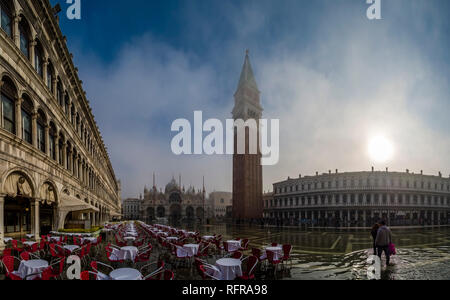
24 37
59 93
39 60
8 95
50 76
60 148
27 111
52 141
68 156
6 16
72 114
41 123
66 105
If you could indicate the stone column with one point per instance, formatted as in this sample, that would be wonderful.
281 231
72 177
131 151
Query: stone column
36 220
32 48
64 154
54 87
44 71
19 118
57 149
47 140
34 137
16 32
2 222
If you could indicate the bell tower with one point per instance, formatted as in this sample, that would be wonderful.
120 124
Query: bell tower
247 169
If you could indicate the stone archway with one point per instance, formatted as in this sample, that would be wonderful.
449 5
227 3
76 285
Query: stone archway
175 213
199 213
161 212
150 214
48 204
190 214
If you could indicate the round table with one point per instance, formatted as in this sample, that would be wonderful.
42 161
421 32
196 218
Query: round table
234 245
277 252
208 237
55 238
29 267
230 268
192 249
128 253
29 243
71 248
125 274
88 239
30 236
7 240
172 238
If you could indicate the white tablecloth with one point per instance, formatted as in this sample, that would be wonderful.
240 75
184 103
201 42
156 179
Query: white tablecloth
172 238
125 274
7 240
90 240
128 253
32 267
192 249
278 252
30 243
129 239
30 236
71 248
208 237
55 238
234 245
230 268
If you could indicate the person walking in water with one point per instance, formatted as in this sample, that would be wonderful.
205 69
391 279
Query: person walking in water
374 234
383 240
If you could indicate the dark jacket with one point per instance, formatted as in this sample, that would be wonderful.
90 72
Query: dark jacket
374 231
384 237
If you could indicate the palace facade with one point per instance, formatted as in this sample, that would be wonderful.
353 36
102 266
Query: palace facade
359 199
55 171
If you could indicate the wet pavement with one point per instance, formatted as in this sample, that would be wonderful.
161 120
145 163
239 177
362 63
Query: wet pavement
422 254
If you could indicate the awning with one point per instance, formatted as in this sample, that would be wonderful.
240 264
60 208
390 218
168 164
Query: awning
69 204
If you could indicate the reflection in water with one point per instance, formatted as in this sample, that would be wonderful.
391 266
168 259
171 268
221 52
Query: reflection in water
325 255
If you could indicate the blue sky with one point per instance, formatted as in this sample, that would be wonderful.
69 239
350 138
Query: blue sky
332 77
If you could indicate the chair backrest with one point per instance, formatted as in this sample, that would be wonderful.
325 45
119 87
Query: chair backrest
287 250
35 248
8 262
256 252
59 268
245 243
84 276
94 266
225 246
237 255
251 265
53 250
274 244
168 275
46 274
14 244
270 256
25 256
7 252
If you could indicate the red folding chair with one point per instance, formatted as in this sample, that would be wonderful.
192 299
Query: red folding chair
251 266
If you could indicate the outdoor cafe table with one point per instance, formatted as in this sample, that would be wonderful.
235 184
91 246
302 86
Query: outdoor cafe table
128 253
172 238
208 237
277 252
30 236
192 249
54 238
30 267
125 274
7 240
230 268
71 248
29 243
88 239
234 245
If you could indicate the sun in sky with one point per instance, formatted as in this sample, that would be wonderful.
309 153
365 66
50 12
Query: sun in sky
380 149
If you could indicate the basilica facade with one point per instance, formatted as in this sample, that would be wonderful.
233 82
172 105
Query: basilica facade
174 203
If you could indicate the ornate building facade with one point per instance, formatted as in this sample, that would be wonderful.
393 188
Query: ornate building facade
247 169
54 167
175 203
359 199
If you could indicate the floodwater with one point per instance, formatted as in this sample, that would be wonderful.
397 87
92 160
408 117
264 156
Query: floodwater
422 254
